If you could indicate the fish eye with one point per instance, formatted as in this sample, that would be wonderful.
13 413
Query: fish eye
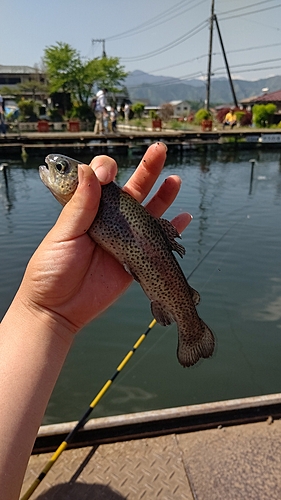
62 166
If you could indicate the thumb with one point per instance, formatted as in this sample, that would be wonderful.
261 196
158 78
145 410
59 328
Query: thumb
79 213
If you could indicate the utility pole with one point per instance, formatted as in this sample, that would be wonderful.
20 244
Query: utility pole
210 56
226 63
100 40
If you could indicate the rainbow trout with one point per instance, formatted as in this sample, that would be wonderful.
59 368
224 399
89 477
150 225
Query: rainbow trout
144 245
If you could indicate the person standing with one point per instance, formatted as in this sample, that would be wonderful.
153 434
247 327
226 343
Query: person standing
127 112
113 119
2 116
99 110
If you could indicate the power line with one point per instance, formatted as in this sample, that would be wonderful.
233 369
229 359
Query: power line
250 13
217 71
169 46
153 22
251 63
203 56
254 48
254 69
181 63
193 32
246 7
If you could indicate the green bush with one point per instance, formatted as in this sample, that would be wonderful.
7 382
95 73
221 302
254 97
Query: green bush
82 112
262 114
153 115
27 110
55 115
138 109
175 125
202 114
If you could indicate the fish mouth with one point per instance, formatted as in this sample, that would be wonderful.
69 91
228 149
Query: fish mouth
44 173
47 175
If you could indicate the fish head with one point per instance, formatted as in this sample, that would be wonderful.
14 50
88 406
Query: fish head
60 175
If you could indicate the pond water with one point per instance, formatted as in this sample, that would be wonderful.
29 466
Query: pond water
235 230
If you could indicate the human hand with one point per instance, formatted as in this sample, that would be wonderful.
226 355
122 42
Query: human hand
70 278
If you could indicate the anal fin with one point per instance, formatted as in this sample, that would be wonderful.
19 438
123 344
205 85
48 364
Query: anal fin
162 317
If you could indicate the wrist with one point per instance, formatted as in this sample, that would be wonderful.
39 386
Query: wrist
41 320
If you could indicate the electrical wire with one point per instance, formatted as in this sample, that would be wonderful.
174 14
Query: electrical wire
246 7
249 13
214 54
169 46
253 69
155 21
168 81
250 63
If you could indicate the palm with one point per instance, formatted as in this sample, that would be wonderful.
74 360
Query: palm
96 279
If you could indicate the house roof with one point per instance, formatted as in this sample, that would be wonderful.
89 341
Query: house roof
17 70
264 98
269 97
176 103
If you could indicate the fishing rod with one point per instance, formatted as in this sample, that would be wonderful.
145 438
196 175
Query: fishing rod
69 438
71 435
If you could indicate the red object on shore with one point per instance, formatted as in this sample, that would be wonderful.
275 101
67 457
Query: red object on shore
156 123
43 126
207 125
74 126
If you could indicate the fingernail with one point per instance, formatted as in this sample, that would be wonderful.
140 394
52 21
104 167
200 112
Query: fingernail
80 173
163 144
101 173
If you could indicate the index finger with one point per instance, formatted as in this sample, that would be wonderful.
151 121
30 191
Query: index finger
147 172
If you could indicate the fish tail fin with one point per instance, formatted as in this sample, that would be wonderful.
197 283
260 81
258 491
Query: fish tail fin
195 343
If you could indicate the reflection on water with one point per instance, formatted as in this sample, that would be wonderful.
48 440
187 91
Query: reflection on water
233 246
5 190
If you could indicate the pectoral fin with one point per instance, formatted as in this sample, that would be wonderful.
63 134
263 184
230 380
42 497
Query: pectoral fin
171 233
163 317
131 272
195 296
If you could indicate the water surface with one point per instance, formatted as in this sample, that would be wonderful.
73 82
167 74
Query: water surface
239 281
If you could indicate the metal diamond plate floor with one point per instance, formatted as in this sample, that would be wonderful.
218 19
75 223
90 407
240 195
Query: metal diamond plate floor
142 469
233 463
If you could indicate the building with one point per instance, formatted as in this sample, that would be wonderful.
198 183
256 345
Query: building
265 98
12 76
181 108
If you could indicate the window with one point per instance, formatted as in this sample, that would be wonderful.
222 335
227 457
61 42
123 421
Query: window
9 80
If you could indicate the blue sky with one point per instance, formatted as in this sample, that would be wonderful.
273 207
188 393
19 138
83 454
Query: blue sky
167 37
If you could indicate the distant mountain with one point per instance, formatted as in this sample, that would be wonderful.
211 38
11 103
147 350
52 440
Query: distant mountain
155 90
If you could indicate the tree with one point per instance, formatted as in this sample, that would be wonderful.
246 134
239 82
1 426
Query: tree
166 111
262 114
67 71
34 87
